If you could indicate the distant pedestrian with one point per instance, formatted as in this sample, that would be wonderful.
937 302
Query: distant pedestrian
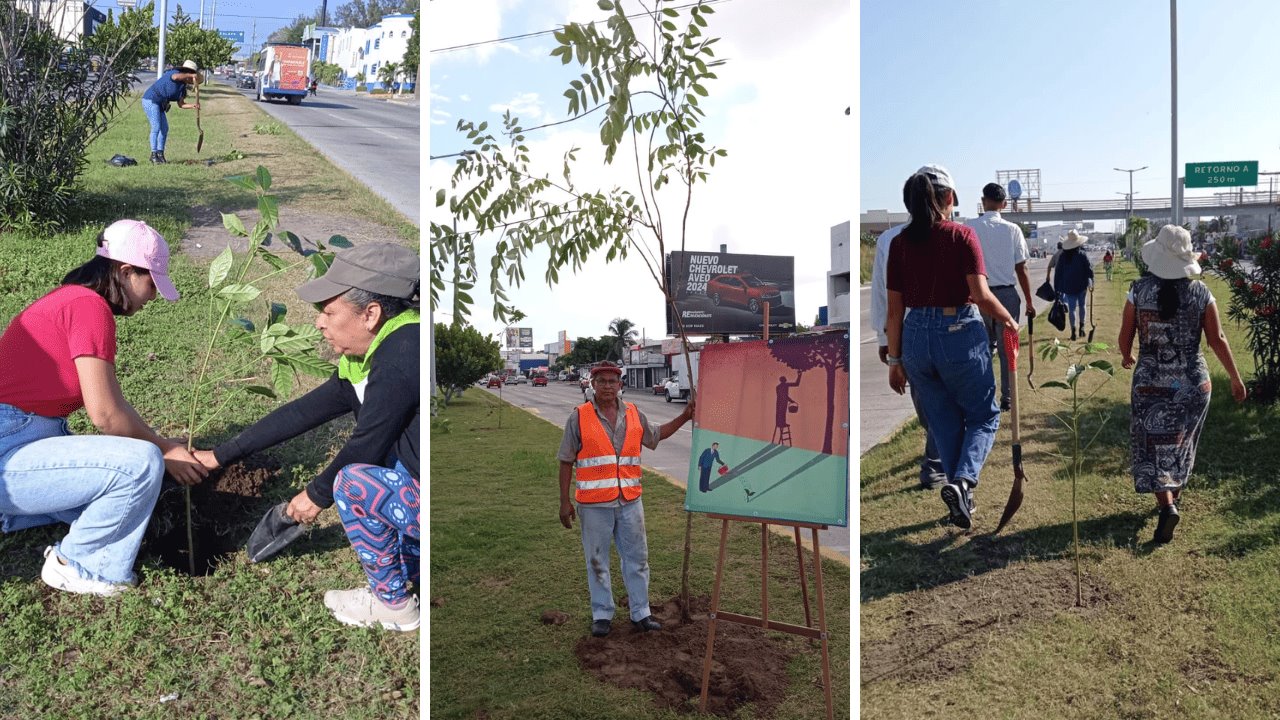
936 269
1106 263
1168 312
1073 278
932 476
312 87
1053 262
171 87
1004 251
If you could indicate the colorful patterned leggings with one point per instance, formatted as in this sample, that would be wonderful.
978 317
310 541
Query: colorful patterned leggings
379 511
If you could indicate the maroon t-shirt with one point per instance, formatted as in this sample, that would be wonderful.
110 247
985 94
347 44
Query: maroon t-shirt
932 273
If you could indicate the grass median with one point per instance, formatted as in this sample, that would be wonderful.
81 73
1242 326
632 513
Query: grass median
500 559
967 624
247 640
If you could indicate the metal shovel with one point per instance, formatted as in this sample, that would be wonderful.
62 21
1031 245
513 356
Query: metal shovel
274 532
200 137
1015 494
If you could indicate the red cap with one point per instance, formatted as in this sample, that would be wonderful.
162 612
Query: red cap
606 366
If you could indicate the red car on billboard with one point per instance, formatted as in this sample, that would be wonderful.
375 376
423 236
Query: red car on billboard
742 289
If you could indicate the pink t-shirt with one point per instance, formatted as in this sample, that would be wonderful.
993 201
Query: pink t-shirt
43 342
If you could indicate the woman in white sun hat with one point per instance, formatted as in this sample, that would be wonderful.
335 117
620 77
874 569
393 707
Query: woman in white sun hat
104 486
1168 312
1072 278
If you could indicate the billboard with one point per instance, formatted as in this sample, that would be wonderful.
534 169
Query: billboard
526 338
771 439
726 293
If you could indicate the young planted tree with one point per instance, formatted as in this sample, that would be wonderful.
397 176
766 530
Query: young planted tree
649 85
1074 413
243 355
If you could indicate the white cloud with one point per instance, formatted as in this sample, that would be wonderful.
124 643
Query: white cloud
525 106
440 117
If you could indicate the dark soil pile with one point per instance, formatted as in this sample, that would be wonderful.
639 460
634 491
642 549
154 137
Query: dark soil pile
224 510
748 665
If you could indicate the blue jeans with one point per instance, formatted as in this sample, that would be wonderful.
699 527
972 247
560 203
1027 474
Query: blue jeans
159 124
625 527
1075 308
948 360
930 465
103 486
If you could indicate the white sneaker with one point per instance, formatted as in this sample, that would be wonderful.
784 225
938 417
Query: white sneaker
362 608
61 576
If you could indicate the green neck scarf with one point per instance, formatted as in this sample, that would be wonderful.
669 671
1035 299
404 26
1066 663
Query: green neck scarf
355 370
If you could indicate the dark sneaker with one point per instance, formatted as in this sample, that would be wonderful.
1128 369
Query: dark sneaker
957 499
646 624
600 628
1168 521
1005 405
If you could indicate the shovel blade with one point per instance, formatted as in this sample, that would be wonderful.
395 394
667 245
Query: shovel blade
200 141
274 532
1014 502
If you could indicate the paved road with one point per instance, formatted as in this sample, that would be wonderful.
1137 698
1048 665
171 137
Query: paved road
555 401
881 410
377 141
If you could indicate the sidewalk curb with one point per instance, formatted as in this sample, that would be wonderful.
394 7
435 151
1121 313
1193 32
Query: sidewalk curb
775 529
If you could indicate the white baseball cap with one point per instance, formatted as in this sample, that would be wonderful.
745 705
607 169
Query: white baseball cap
138 244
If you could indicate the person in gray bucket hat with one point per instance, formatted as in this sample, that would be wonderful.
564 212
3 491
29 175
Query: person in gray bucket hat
368 313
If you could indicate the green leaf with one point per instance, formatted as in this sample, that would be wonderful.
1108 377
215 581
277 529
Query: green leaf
440 197
291 240
269 210
243 323
295 344
605 5
282 378
312 365
221 267
232 223
239 293
267 343
277 329
243 181
1055 384
320 263
271 259
276 312
1103 365
260 390
340 241
264 178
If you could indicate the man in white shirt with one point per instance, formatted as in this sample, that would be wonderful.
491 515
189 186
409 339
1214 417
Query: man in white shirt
1004 252
931 475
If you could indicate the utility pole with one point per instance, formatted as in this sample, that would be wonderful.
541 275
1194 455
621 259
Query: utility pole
164 31
1131 172
213 15
201 23
324 13
1175 200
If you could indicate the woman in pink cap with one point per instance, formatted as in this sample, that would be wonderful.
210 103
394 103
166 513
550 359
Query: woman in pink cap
103 486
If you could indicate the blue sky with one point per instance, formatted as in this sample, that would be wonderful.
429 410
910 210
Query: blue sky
1072 88
778 108
239 14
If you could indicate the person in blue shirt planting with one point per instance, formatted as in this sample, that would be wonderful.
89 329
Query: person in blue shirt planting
171 87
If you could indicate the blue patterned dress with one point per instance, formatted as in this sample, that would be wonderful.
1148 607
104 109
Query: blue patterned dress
1171 386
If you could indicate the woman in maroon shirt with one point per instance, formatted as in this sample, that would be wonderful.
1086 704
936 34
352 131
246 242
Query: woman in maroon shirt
936 270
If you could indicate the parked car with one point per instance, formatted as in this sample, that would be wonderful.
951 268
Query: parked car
742 289
661 387
494 381
540 381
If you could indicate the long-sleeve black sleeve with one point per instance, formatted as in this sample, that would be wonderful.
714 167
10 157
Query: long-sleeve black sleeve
333 399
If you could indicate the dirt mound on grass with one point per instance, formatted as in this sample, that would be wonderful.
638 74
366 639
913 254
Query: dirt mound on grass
748 665
940 630
224 510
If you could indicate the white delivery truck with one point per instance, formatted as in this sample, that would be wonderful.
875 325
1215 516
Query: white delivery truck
678 386
284 71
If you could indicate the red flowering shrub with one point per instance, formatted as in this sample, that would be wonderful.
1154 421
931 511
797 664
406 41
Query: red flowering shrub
1255 298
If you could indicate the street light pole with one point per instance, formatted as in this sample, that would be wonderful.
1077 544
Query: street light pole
1131 172
1175 202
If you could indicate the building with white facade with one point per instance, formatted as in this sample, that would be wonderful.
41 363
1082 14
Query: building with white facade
346 50
71 19
320 40
385 43
838 276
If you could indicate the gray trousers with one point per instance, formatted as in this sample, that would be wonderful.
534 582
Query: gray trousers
1011 299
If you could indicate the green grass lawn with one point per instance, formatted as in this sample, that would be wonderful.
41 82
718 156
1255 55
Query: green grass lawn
963 624
500 558
248 640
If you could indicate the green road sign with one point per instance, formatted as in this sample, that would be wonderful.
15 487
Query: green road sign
1222 174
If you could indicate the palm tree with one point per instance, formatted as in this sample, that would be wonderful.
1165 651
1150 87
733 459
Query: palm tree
387 74
623 334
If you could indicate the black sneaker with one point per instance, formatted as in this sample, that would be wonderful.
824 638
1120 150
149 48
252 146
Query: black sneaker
600 628
646 624
956 496
1168 521
1005 405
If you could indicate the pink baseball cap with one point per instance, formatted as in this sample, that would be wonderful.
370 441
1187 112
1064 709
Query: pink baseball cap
138 244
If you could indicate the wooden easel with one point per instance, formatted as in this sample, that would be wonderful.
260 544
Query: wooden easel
819 633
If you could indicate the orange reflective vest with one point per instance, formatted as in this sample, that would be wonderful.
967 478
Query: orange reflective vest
600 472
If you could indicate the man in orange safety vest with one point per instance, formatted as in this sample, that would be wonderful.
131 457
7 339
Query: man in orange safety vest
601 451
